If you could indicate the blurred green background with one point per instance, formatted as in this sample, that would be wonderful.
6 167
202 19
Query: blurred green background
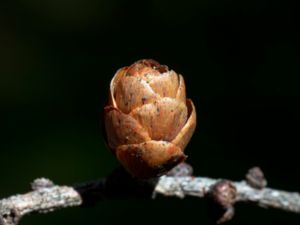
240 60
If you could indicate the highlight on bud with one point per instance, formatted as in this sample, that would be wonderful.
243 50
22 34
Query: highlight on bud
148 120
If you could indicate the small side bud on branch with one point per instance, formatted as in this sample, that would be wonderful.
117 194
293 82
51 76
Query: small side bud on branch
222 195
40 183
255 178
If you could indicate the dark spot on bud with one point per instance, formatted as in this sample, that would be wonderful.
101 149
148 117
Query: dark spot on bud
144 100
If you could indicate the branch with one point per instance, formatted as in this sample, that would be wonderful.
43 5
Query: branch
200 186
47 197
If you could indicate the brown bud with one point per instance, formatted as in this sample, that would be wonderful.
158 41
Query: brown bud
224 193
148 120
222 196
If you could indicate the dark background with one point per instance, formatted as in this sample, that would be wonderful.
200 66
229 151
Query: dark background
240 60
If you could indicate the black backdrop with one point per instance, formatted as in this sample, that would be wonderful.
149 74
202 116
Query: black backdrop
240 60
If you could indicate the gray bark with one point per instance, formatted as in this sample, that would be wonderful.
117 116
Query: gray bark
47 197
